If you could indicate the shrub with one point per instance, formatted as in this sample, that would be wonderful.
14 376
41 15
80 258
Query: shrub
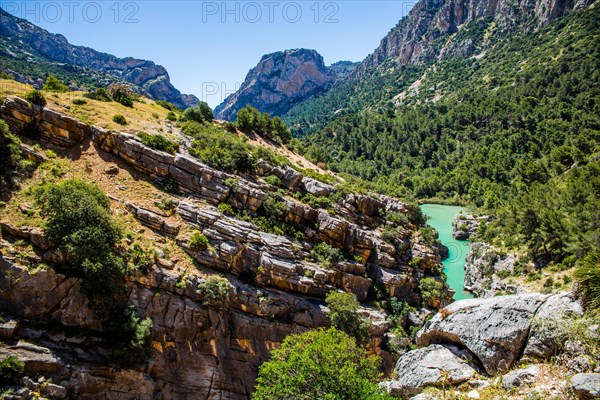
100 94
273 206
390 234
121 94
432 291
429 235
10 156
132 337
169 106
273 180
54 85
11 371
249 119
326 255
201 113
319 364
343 312
79 101
587 274
218 148
198 241
226 209
159 142
171 116
167 204
215 288
6 75
36 97
78 219
119 119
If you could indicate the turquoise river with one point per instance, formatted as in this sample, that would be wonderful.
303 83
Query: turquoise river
441 217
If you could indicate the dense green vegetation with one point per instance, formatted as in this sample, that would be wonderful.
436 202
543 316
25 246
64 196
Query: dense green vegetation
515 133
121 94
54 85
319 364
36 97
343 313
11 371
78 220
249 119
201 113
10 158
159 142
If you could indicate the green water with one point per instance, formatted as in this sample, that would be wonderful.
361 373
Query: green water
441 217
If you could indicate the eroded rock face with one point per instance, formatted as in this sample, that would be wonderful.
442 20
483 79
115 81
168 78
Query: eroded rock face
430 366
484 266
495 330
149 78
411 41
279 82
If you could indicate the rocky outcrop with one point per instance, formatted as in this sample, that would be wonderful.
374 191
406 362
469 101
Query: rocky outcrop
485 269
150 79
435 365
279 82
483 336
464 227
586 386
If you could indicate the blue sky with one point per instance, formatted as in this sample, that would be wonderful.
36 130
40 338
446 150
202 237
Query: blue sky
209 46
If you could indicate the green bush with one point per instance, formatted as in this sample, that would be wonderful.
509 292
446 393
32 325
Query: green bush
587 275
171 116
159 142
54 85
36 97
326 255
121 94
319 364
198 241
131 337
100 94
273 206
343 312
201 113
119 119
78 220
10 156
273 180
226 209
166 105
11 371
429 235
215 288
218 148
79 102
432 291
249 119
6 75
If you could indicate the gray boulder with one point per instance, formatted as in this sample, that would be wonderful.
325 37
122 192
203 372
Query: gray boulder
520 377
430 366
546 334
586 386
494 329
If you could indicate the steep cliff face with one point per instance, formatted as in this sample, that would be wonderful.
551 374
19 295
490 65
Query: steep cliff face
279 82
151 79
202 346
423 35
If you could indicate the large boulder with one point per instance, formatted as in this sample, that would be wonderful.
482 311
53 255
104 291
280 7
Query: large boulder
586 386
434 365
494 329
545 335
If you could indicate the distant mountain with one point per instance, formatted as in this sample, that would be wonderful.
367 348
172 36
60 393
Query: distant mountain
30 53
282 80
434 31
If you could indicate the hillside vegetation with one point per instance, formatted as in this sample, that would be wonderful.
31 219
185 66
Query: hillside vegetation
515 131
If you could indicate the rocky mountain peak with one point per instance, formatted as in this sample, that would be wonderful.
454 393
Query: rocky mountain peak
279 82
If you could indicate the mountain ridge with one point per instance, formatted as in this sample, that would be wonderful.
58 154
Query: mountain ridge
149 78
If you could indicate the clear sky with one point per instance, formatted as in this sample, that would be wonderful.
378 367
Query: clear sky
209 46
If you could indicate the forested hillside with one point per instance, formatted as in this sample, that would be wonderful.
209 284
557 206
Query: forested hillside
516 130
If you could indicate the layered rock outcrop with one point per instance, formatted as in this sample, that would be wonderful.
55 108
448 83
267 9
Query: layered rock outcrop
201 346
280 81
150 79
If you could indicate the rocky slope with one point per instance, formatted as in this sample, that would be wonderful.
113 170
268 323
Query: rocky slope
282 80
27 43
470 344
428 33
202 346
